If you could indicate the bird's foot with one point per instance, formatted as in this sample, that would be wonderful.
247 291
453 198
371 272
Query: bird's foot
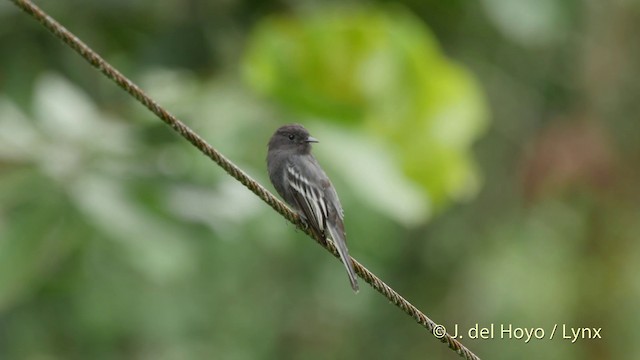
305 227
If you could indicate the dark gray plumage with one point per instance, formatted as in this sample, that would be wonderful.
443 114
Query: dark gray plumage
302 183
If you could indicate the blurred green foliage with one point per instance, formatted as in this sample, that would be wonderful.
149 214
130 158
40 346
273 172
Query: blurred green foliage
119 240
382 70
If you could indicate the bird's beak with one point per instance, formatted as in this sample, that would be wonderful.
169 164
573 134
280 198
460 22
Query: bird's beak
311 139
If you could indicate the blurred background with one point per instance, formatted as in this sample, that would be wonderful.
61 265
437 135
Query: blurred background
486 154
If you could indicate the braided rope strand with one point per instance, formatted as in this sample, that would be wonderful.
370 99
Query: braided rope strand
99 63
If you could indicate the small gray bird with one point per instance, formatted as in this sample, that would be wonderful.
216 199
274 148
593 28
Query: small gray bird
302 183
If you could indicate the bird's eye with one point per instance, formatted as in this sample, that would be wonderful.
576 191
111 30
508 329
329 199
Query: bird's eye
291 137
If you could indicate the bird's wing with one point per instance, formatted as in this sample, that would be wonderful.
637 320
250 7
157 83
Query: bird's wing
309 198
322 210
332 198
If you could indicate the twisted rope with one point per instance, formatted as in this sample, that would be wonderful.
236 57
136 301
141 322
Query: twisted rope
94 59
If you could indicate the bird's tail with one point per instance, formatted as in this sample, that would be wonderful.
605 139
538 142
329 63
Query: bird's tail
337 235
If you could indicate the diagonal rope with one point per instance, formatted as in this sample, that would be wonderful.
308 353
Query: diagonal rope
99 63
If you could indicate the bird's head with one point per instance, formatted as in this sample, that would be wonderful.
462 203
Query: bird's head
292 137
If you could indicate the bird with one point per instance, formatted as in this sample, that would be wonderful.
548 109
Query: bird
298 178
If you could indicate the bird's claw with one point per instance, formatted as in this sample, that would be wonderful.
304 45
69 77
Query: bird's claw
305 227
